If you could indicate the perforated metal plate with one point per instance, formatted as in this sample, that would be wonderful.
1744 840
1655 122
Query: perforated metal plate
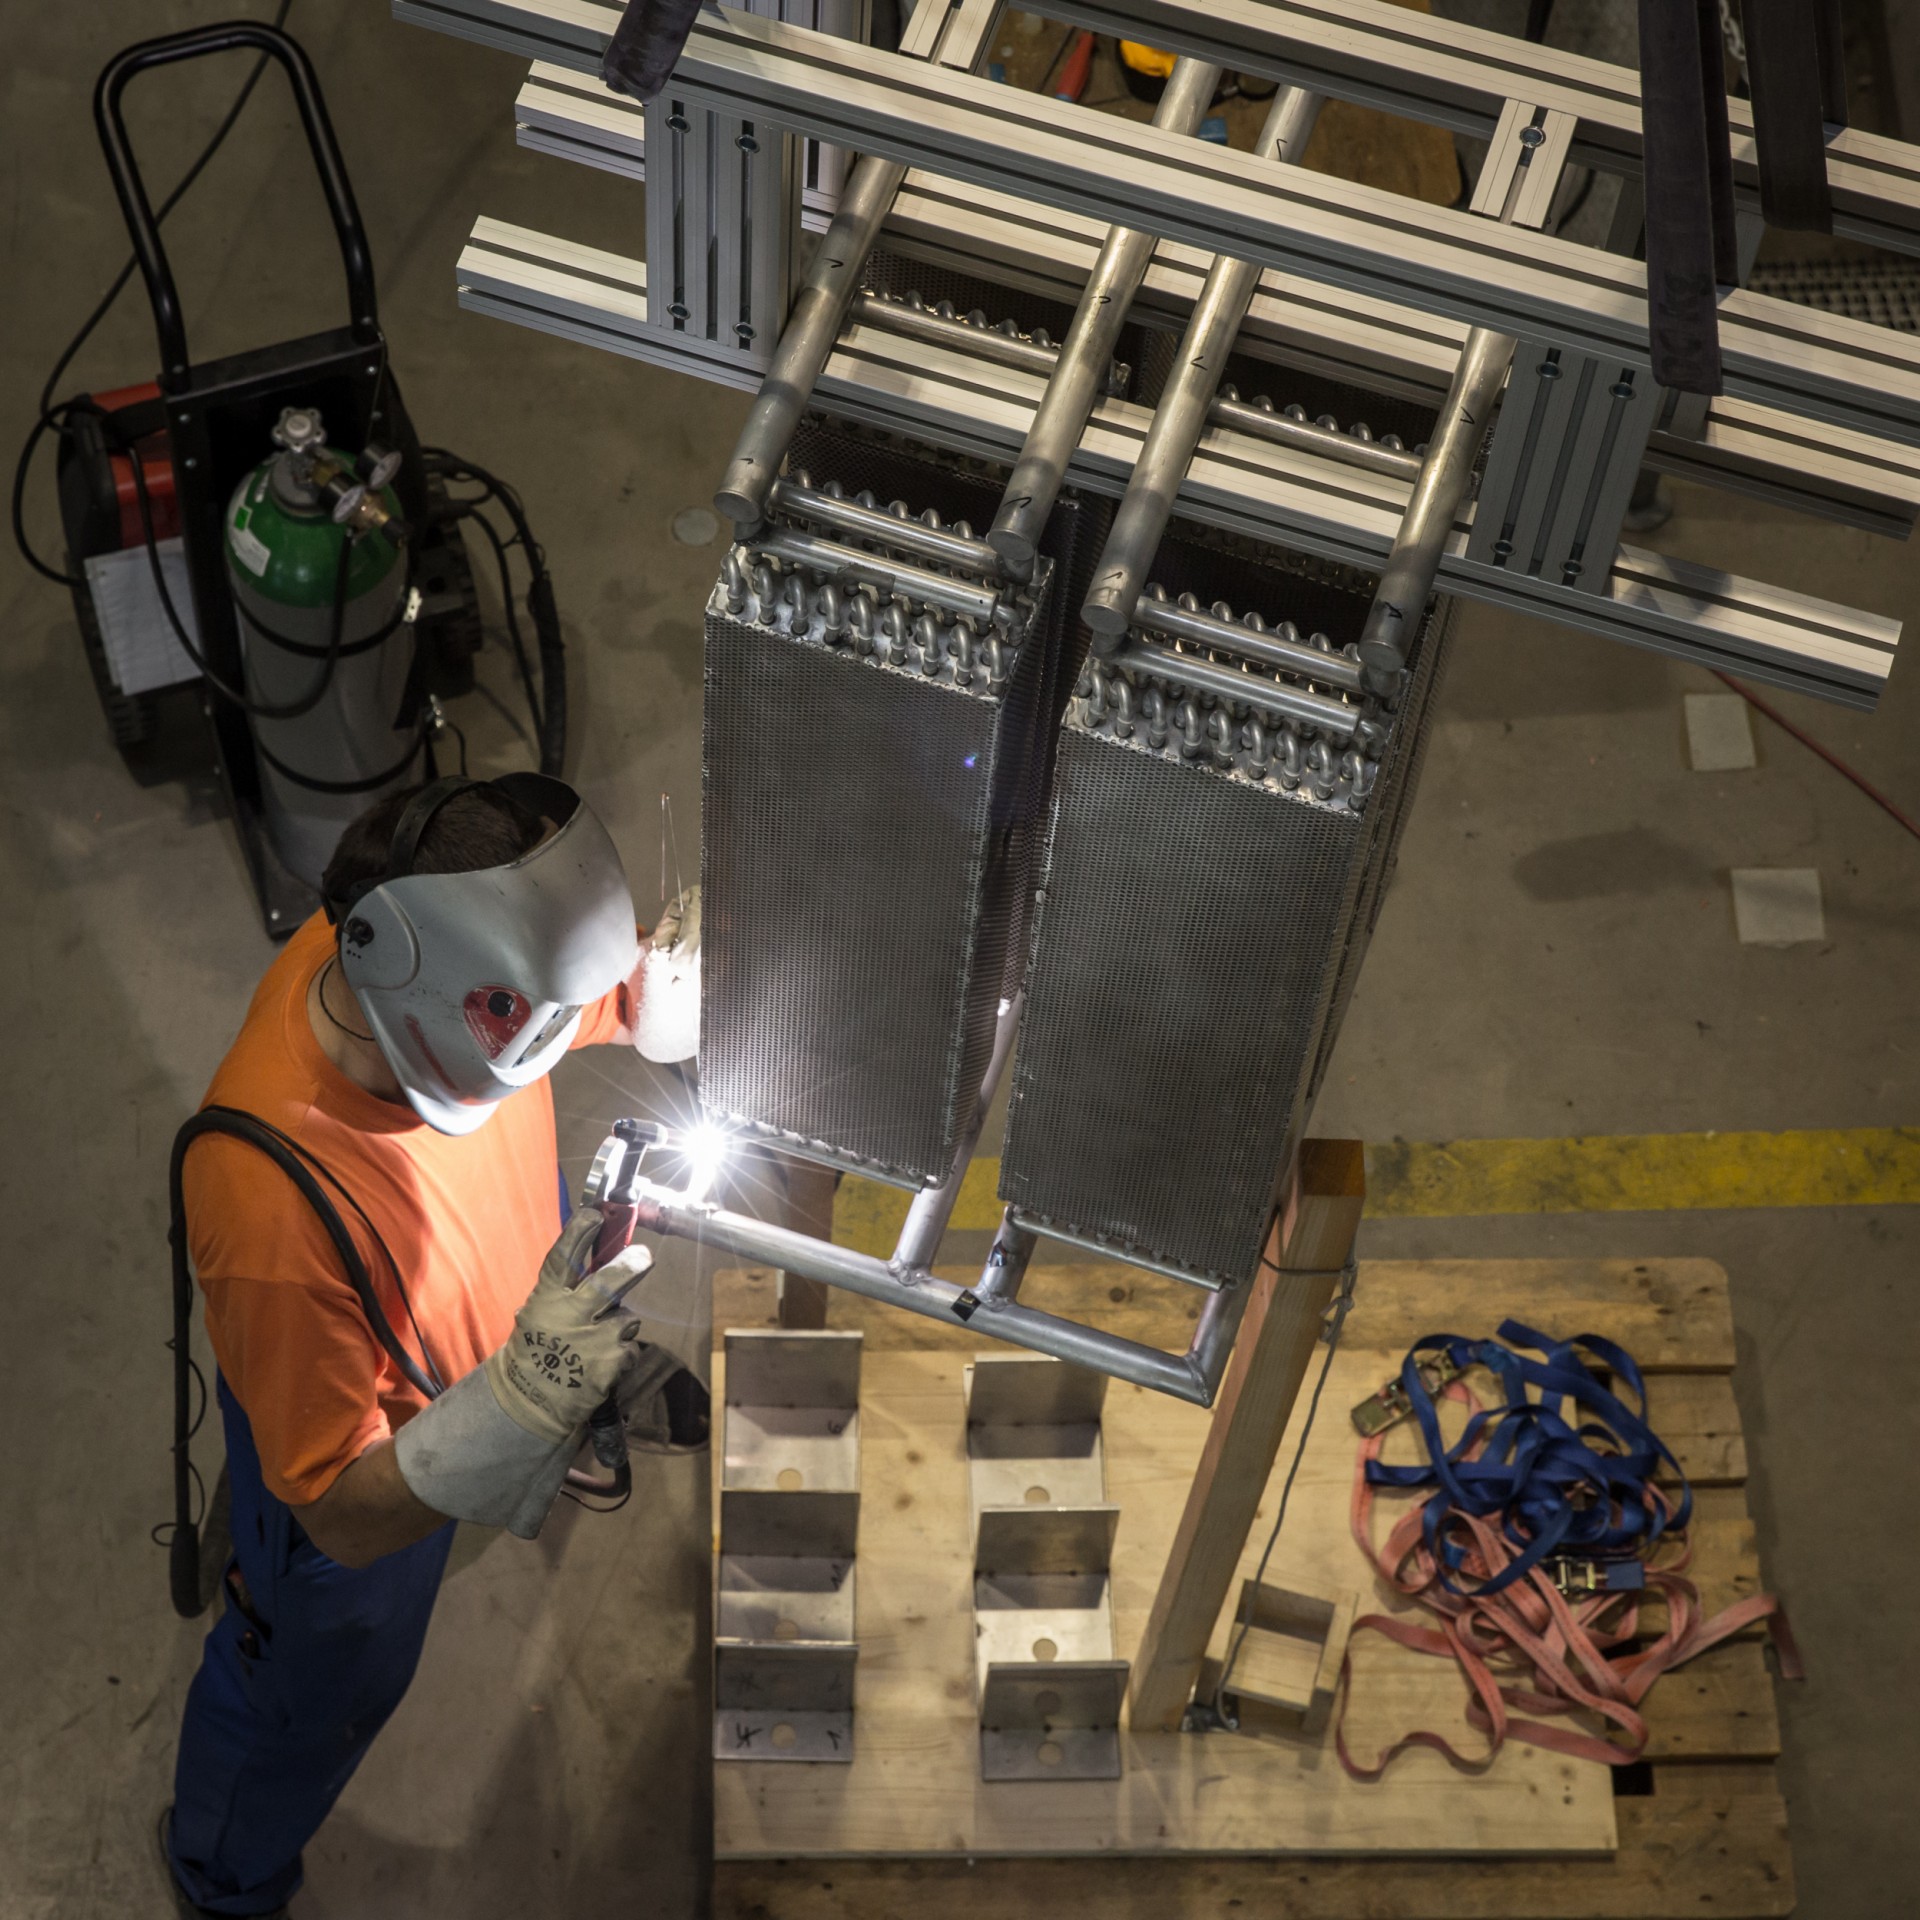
870 847
1197 938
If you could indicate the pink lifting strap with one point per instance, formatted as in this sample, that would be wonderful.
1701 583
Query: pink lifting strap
1529 1649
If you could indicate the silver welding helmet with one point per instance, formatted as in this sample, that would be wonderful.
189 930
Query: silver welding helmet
473 983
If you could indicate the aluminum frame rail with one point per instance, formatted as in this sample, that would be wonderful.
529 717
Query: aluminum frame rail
970 404
906 1280
1439 70
1855 479
1375 242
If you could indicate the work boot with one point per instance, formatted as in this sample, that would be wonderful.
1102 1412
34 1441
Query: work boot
185 1907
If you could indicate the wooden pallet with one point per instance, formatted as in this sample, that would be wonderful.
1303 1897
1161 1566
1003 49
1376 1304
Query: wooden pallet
1701 1827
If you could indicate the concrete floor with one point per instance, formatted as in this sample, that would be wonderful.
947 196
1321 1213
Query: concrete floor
1558 956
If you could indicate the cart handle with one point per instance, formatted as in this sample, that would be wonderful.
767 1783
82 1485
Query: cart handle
138 209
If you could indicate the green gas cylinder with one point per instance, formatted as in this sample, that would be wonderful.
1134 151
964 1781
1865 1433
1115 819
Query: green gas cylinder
309 542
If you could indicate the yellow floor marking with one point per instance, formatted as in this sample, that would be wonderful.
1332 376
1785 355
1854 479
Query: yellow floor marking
1603 1173
1647 1172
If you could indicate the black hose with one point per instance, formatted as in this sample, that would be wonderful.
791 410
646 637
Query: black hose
548 710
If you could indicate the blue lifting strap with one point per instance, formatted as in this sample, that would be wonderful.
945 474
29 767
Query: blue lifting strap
1565 1474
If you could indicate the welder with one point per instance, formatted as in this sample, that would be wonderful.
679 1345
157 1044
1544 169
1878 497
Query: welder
400 1044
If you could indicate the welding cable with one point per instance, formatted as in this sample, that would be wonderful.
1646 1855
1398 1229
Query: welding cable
181 1535
50 417
1780 720
548 709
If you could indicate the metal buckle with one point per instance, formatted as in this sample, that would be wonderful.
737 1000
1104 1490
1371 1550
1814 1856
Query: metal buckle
1582 1579
1390 1405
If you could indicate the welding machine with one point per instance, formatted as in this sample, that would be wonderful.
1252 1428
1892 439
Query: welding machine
258 546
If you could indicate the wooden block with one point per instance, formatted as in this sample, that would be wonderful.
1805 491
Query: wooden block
1279 1336
1290 1654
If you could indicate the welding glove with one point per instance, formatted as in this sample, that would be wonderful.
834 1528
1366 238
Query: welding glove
666 1018
496 1446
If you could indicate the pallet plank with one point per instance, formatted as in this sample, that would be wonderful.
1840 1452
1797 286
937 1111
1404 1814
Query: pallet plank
1718 1707
1720 1852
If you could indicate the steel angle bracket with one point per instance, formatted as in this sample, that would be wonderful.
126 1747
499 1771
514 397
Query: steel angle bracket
784 1611
775 1702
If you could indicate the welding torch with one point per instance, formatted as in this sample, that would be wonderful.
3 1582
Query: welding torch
613 1188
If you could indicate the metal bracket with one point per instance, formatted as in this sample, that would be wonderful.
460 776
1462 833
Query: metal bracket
1573 427
785 1638
1049 1686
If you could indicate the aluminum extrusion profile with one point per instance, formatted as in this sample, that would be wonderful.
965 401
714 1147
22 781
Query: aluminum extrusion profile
1442 70
916 113
1846 476
1269 493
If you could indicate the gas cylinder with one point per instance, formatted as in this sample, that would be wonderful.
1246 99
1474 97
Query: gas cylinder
314 535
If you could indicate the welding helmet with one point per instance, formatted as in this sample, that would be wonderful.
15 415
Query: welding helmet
473 983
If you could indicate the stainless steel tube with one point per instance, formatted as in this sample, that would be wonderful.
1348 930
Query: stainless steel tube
1215 1333
1006 1263
987 343
947 549
764 1244
888 576
1288 656
1074 389
932 1207
1310 437
1181 416
1226 683
819 312
1407 578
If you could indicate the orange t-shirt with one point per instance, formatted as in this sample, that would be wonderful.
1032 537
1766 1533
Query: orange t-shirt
467 1218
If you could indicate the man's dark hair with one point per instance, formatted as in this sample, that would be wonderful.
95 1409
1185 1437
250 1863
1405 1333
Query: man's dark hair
479 828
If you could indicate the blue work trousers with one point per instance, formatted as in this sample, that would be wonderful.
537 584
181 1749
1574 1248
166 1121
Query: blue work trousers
302 1669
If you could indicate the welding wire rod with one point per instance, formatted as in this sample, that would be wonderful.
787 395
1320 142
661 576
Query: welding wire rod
1074 389
819 312
932 1207
760 1243
923 323
1287 656
1181 417
884 574
1229 683
1310 437
791 499
1407 579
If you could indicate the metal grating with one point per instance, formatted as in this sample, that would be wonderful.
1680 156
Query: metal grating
1198 937
1885 292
